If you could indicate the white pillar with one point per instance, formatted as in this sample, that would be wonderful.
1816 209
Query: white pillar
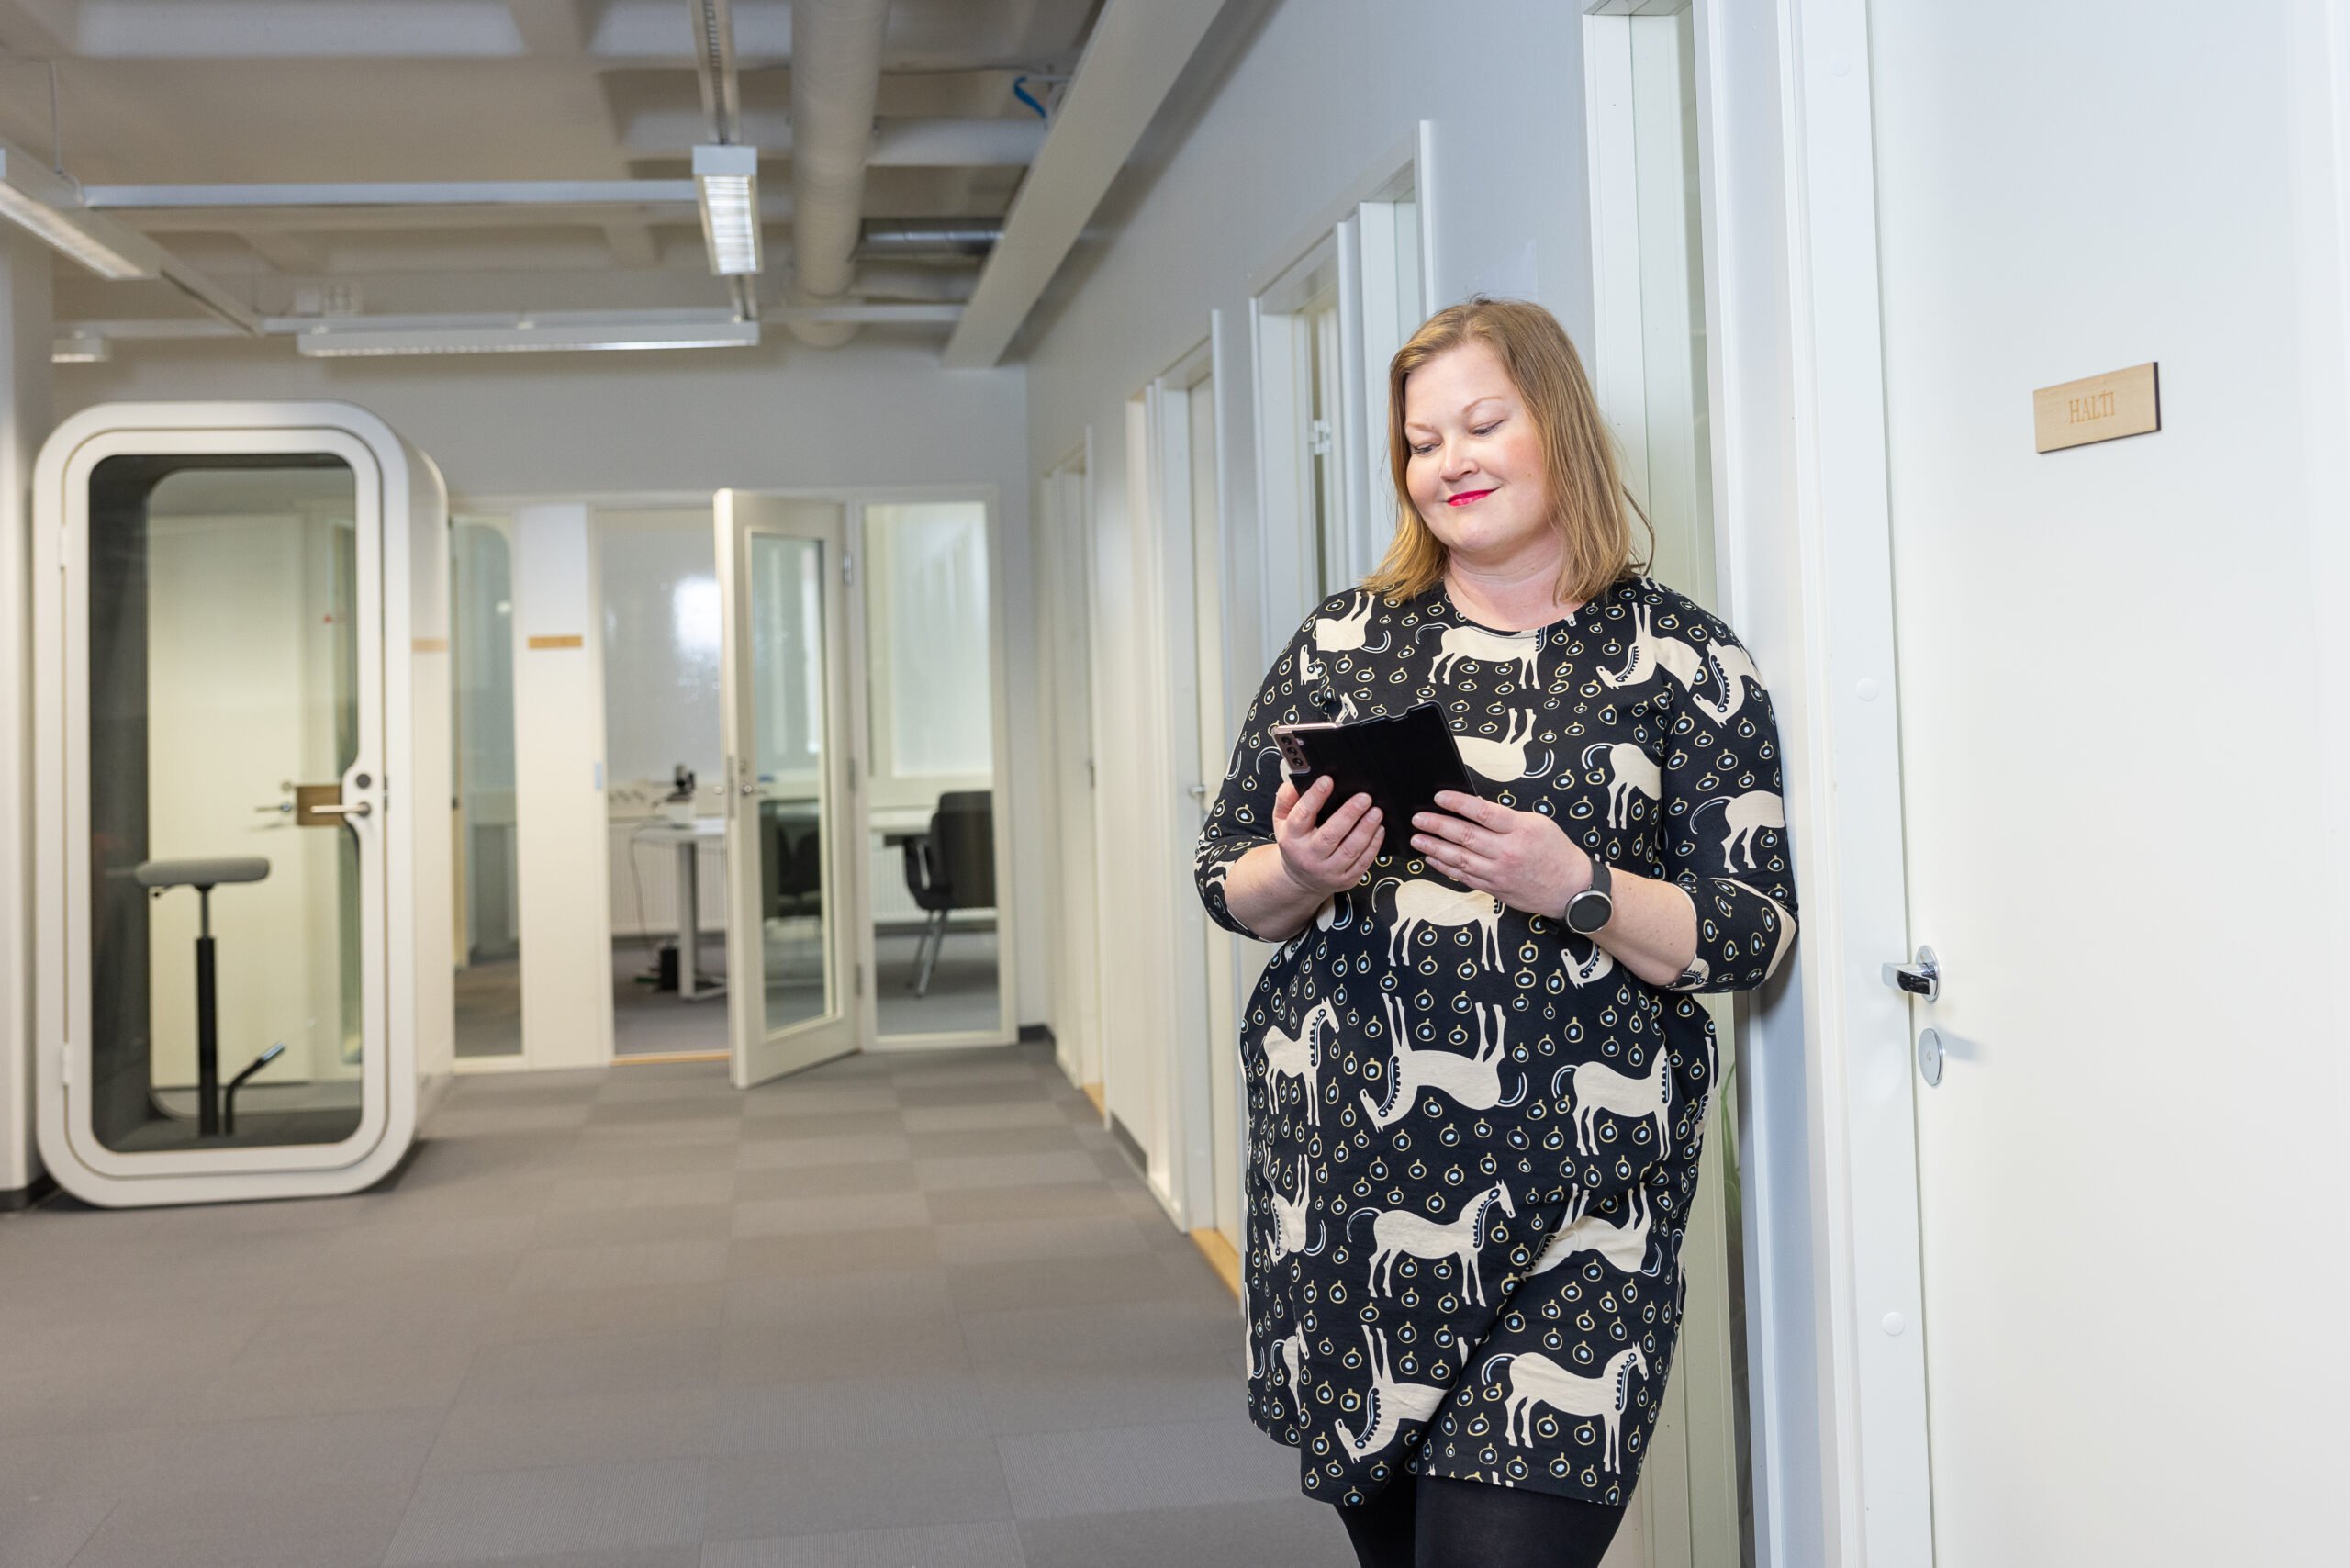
25 417
562 822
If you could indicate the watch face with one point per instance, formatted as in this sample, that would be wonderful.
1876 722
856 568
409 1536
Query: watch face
1588 911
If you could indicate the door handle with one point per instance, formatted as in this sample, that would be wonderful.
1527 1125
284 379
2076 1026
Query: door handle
1923 978
321 805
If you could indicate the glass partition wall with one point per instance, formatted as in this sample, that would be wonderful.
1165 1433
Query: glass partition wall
489 925
932 809
224 716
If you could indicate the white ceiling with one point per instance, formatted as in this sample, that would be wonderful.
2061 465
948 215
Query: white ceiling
204 92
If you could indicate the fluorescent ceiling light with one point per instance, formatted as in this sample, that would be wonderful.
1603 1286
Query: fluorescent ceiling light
335 342
79 348
727 179
35 198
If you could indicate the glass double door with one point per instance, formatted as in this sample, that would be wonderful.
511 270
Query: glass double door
795 997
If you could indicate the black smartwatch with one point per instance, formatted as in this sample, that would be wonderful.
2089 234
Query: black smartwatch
1595 905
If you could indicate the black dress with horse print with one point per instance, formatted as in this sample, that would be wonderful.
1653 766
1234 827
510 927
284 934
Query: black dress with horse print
1472 1135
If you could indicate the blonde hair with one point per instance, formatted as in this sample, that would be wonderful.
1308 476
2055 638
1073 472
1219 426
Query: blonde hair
1589 503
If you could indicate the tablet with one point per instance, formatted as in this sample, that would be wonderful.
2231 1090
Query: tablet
1400 761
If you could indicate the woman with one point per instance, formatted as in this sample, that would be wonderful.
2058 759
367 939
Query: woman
1477 1081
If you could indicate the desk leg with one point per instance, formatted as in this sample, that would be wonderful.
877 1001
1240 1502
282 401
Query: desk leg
689 917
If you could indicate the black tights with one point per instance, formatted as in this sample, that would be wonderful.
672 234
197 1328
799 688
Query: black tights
1432 1522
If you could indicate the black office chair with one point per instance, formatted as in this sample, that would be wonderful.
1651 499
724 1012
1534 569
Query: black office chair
951 868
791 867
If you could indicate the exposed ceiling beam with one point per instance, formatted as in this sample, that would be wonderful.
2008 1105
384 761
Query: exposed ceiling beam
550 28
289 254
957 143
28 33
396 30
632 245
212 297
652 29
1137 51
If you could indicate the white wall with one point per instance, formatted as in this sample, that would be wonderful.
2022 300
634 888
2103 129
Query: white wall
24 419
876 413
657 587
1325 89
559 789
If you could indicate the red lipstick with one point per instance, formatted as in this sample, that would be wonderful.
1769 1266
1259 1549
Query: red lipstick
1465 497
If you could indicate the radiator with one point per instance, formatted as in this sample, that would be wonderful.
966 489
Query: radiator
644 883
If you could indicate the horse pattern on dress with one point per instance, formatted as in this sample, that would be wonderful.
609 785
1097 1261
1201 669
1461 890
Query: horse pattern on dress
1474 1137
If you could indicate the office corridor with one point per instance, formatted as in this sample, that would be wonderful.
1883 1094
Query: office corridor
901 1310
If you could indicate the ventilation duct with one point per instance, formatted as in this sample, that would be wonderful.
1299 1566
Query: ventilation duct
909 239
835 82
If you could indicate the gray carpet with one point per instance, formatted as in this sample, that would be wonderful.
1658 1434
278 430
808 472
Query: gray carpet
900 1312
962 993
647 1021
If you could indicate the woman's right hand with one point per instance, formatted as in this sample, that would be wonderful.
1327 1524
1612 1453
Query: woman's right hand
1325 858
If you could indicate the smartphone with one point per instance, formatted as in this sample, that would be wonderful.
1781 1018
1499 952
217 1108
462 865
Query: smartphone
1402 761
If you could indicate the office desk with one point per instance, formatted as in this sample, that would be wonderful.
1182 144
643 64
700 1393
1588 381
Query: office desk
688 837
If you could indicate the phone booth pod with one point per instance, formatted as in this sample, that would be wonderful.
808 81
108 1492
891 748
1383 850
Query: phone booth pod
241 859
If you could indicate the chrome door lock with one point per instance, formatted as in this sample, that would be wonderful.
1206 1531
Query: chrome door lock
1923 978
1929 1056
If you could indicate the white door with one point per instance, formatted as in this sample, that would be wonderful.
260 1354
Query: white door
793 993
1065 638
2112 717
1193 408
1184 538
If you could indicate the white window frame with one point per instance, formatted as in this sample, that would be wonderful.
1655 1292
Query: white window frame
1008 936
890 785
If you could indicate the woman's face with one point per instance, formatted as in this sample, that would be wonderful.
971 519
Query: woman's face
1476 472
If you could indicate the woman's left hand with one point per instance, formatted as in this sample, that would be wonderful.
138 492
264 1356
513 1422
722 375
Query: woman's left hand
1523 858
